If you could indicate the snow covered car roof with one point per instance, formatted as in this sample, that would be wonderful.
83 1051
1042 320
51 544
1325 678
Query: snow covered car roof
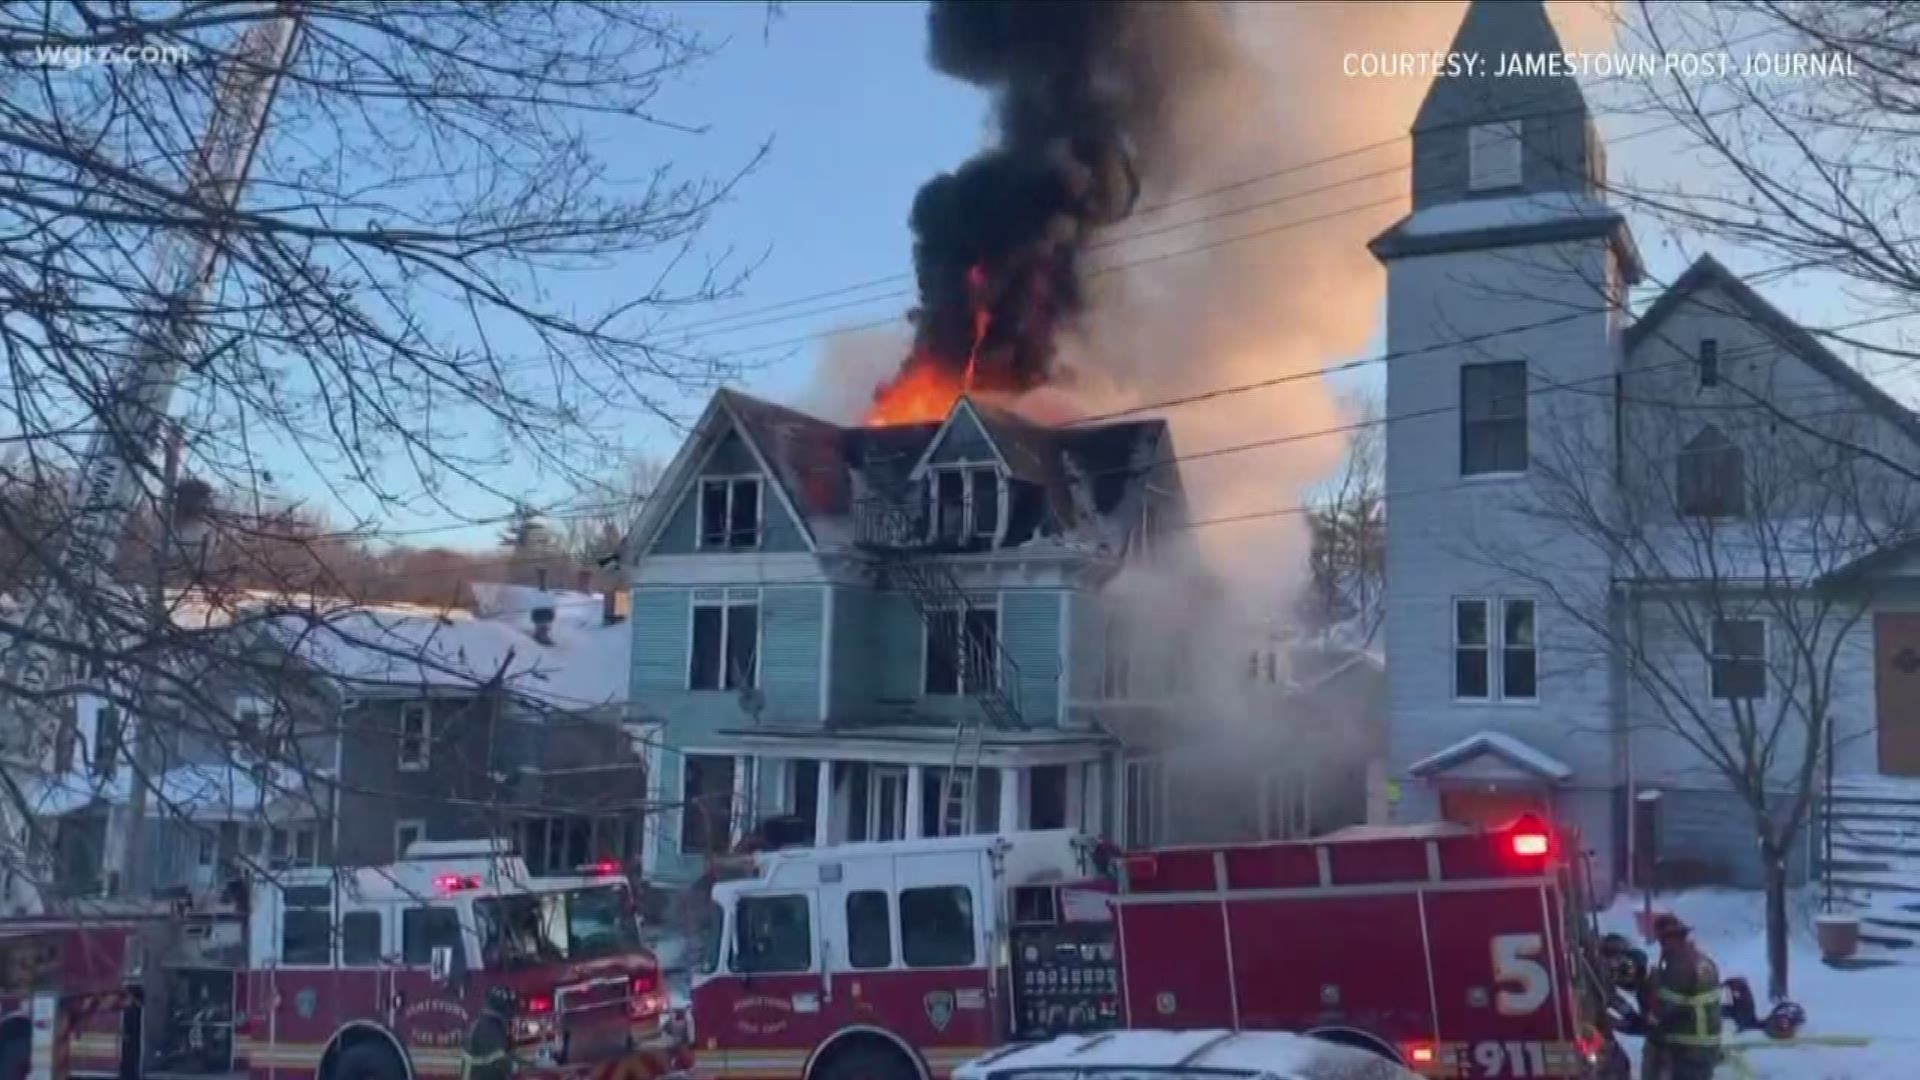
1183 1055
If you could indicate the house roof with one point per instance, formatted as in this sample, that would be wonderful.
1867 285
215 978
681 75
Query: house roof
1500 746
1708 272
1083 473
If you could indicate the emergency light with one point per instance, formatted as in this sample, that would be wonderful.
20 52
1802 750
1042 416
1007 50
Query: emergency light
455 883
1420 1054
603 868
1529 838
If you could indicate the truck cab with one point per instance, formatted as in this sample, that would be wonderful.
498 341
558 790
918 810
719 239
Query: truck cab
378 973
888 960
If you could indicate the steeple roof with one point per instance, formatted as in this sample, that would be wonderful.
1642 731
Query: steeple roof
1492 31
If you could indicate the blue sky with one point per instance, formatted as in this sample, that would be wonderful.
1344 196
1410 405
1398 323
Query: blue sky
857 122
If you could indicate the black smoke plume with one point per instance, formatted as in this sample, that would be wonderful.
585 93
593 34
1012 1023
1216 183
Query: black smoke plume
1076 88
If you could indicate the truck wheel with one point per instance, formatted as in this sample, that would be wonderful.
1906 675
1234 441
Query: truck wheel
368 1061
867 1061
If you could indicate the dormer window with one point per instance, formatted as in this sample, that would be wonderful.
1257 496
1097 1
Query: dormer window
730 513
966 503
1493 156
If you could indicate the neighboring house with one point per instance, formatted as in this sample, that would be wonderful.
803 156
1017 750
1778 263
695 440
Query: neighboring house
1712 439
339 733
828 620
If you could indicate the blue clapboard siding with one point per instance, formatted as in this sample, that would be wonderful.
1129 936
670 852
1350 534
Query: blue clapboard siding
660 619
680 535
790 658
1087 655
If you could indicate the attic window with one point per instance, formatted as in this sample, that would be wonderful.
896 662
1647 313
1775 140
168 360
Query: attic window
966 503
1709 362
1493 156
730 513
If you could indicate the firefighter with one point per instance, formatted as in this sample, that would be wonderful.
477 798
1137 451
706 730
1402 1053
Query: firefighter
1683 1033
489 1051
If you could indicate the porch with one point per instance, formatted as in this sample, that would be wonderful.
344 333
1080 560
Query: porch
875 785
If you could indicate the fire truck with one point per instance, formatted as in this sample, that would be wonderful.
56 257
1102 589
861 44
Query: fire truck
85 982
378 973
1459 952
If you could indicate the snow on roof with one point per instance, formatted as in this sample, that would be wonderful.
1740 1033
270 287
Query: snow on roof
1495 742
1476 215
203 792
1273 1054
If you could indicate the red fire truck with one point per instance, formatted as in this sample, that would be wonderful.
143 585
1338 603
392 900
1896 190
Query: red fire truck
1459 952
377 973
89 974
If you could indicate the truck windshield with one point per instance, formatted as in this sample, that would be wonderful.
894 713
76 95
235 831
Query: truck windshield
536 928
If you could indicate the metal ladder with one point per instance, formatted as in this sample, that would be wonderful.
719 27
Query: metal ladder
888 528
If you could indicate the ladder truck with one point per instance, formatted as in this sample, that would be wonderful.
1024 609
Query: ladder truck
108 479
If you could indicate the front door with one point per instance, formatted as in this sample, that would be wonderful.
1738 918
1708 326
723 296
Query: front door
1896 686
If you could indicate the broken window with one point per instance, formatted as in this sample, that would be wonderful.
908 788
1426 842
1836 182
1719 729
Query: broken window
980 668
986 503
1493 418
730 513
941 662
706 817
949 506
725 648
1739 660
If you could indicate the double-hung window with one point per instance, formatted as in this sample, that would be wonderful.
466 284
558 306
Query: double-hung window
1493 418
1739 661
730 518
1495 650
725 652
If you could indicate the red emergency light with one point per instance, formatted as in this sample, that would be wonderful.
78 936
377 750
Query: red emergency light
539 1005
455 882
1420 1055
603 868
1528 838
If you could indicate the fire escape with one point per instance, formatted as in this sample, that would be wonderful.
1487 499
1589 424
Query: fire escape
907 547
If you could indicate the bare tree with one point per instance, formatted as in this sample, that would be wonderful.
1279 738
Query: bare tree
403 298
1347 559
607 510
1731 614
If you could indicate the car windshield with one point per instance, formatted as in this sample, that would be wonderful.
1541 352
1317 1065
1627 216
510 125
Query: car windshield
535 928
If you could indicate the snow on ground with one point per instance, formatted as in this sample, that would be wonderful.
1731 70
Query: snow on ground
1877 1005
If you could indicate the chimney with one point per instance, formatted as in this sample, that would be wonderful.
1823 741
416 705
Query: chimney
614 607
543 625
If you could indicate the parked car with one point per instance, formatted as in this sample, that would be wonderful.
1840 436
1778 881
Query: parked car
1183 1055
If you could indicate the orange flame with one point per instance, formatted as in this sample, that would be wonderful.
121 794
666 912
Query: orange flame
923 393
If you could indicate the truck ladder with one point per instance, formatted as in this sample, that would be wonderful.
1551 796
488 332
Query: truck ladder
888 530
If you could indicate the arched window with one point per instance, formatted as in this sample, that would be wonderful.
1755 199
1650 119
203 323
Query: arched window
1712 476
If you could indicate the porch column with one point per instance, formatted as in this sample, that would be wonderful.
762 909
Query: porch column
822 802
1093 796
1011 784
916 782
1075 796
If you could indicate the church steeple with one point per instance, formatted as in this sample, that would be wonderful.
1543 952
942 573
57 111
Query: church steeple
1496 128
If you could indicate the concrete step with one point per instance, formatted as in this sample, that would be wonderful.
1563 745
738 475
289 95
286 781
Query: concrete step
1893 924
1864 881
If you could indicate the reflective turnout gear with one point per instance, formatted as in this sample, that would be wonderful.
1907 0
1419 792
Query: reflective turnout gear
488 1054
1686 1013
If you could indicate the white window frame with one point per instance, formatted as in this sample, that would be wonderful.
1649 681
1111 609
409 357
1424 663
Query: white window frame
419 828
969 521
1525 419
1496 153
962 690
1765 658
309 833
1498 638
1494 651
417 762
1143 776
700 512
727 603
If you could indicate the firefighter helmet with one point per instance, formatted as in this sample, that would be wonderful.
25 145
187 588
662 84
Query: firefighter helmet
502 1000
1785 1021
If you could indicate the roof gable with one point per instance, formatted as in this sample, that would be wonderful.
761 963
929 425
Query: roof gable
1492 756
1708 272
959 431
